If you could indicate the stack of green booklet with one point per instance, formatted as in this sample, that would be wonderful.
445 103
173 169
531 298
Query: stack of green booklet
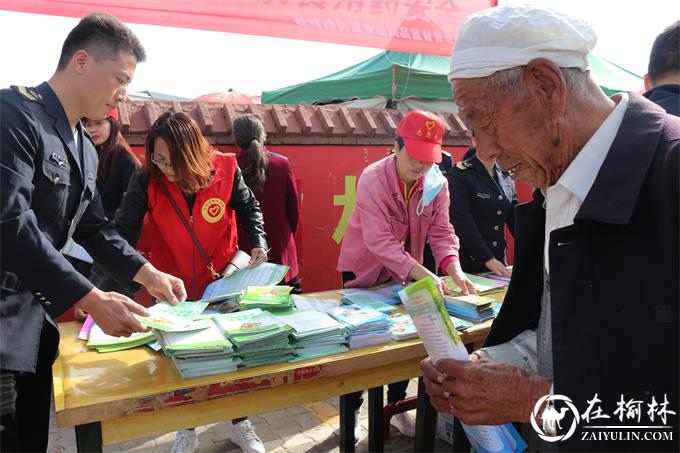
199 350
194 366
258 336
314 334
106 343
267 298
482 285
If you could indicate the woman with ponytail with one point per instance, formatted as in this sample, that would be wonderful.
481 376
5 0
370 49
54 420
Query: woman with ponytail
271 178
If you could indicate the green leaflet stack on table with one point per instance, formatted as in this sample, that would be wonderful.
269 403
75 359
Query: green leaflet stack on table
259 338
106 343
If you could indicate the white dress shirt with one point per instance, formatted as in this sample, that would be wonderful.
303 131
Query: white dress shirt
564 199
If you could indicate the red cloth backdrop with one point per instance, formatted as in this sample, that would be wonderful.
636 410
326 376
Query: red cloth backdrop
419 26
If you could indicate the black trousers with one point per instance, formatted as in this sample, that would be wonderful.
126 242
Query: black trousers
25 399
395 391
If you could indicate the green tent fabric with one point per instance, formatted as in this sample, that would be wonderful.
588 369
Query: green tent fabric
399 75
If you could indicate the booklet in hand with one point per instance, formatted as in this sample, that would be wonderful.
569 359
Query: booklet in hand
442 341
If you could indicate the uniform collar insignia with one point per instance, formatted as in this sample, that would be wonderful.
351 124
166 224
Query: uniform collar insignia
28 93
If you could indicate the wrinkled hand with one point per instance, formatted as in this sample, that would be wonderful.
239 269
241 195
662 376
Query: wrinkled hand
434 389
113 312
456 273
160 285
258 255
497 267
485 392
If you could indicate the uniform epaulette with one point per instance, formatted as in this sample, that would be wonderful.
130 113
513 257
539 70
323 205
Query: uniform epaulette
463 165
27 93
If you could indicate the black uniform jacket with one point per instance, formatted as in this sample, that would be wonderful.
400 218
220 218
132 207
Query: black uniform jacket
615 279
48 194
667 96
480 208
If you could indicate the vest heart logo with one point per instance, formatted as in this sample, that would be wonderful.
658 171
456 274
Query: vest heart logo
213 210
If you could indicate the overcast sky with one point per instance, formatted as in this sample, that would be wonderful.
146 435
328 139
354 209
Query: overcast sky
190 63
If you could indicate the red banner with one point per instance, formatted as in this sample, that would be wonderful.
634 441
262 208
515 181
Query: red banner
419 26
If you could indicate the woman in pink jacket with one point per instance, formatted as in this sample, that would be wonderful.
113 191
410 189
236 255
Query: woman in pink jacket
402 201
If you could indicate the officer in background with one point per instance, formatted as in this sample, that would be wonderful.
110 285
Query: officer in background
48 195
663 74
482 201
428 259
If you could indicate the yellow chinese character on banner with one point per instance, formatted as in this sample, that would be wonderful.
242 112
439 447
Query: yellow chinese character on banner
347 200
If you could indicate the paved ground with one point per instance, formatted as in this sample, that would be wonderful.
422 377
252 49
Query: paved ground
300 429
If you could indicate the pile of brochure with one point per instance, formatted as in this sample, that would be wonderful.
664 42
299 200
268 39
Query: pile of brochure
238 277
314 334
472 307
106 343
271 298
369 300
482 285
259 338
365 326
314 303
199 350
402 327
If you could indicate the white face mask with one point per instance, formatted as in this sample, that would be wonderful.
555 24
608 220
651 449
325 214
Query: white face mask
432 184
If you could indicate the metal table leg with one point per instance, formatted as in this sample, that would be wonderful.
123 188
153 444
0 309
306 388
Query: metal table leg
376 439
346 425
89 437
426 421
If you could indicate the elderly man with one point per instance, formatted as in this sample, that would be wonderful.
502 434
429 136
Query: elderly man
596 281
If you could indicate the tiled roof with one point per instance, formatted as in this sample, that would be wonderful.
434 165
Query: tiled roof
286 124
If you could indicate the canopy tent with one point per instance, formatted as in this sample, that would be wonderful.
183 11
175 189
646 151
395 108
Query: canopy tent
230 97
406 78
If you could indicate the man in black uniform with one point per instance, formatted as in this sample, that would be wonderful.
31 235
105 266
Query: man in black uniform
47 177
482 202
663 74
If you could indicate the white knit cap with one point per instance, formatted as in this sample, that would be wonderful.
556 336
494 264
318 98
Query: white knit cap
509 36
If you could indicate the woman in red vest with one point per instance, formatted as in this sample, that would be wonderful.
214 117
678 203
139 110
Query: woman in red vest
186 185
271 178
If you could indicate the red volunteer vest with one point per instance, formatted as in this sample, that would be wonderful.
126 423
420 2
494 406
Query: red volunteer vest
212 219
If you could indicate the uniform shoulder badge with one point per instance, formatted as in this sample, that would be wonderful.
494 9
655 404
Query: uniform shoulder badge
28 93
463 165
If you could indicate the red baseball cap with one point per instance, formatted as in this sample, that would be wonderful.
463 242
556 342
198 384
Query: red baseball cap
113 113
423 133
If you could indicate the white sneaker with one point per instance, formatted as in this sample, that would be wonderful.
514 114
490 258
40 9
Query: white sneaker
405 423
243 435
185 442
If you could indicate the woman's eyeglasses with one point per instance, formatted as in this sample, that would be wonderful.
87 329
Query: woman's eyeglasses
160 163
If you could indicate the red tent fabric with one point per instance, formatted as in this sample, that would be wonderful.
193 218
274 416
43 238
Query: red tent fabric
417 26
230 97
